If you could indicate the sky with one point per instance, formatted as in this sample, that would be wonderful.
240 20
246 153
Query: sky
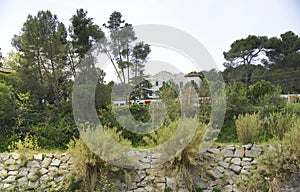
214 23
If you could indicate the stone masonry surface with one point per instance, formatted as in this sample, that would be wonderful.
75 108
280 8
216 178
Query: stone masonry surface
46 172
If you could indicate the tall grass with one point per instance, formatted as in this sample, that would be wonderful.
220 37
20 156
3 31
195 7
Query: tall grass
248 126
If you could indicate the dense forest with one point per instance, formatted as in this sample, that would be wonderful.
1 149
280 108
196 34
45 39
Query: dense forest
36 99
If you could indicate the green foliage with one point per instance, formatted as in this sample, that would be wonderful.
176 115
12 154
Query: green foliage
237 101
55 135
7 107
279 166
140 112
248 127
291 139
89 171
125 53
162 134
265 97
228 133
244 51
24 145
168 93
278 123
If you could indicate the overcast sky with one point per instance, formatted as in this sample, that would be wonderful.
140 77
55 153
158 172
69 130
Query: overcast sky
215 23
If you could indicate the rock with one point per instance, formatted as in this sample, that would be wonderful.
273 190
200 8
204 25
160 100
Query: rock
245 163
132 186
227 152
4 156
230 147
12 172
55 162
235 168
23 171
149 178
46 162
236 161
215 173
244 172
248 146
170 182
9 179
38 157
10 162
252 153
63 166
49 155
156 155
65 157
53 169
32 176
43 171
139 190
220 169
223 164
15 156
44 178
254 161
214 150
228 172
161 186
148 188
57 155
239 152
22 181
32 164
6 185
58 179
228 188
13 167
247 159
141 174
145 160
183 190
33 184
3 173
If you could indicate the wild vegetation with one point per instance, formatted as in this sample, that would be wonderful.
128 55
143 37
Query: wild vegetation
36 100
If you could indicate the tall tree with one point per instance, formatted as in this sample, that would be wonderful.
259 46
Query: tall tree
284 61
122 49
284 52
42 44
84 34
245 52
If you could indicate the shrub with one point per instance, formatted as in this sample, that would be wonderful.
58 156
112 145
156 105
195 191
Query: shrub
248 127
291 139
89 171
24 145
278 123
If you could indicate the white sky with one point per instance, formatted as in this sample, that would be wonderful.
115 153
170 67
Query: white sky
215 23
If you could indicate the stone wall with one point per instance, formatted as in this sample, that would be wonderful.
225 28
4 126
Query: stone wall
42 172
224 166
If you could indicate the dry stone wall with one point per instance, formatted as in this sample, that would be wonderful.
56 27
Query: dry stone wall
225 167
38 172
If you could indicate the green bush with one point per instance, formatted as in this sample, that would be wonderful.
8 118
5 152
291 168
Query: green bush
291 138
50 135
228 133
24 145
89 171
278 123
248 126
